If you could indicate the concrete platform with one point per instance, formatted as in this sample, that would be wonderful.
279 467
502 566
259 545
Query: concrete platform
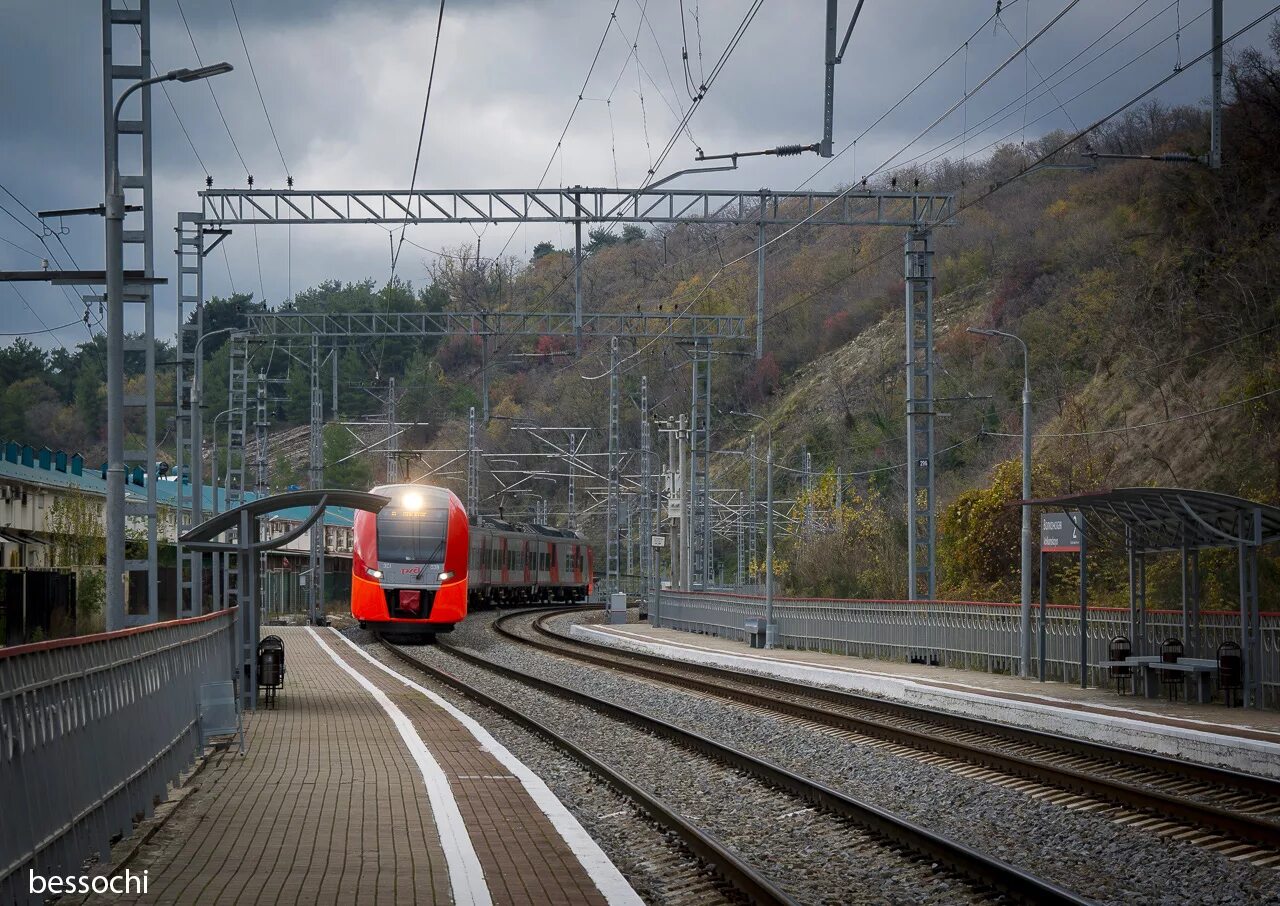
362 787
1245 740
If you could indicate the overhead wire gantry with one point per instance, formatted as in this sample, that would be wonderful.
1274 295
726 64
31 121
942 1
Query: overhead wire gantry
223 209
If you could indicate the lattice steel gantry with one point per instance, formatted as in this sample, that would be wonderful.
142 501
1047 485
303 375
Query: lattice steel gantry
188 445
315 479
120 63
646 496
701 550
473 469
577 205
921 503
612 515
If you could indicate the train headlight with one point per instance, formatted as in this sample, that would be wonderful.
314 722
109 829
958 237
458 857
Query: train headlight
446 576
373 573
412 501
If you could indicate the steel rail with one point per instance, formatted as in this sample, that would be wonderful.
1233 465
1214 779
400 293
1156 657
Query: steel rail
715 854
964 860
1240 826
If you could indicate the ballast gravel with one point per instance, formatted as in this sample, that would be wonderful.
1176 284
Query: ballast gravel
813 856
1088 854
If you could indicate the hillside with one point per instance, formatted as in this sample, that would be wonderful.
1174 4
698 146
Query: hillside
1146 292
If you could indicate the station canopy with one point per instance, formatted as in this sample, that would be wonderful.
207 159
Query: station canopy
1170 519
1152 520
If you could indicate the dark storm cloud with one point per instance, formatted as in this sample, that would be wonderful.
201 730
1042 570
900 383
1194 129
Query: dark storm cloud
343 80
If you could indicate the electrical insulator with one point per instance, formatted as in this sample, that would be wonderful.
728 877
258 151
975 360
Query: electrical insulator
788 150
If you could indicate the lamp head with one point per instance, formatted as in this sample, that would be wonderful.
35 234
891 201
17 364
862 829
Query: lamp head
981 331
201 72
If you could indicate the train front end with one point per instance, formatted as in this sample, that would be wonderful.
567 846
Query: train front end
409 563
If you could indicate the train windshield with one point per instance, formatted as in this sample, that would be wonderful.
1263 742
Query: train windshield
416 536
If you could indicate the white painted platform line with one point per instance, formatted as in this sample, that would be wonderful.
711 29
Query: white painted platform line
466 876
603 873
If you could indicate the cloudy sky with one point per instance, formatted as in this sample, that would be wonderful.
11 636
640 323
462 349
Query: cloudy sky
344 81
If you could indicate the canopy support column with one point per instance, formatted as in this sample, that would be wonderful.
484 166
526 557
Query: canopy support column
1195 603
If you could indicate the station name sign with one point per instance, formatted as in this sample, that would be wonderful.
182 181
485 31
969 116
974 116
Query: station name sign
1059 534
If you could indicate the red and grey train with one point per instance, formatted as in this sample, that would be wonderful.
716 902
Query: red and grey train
418 565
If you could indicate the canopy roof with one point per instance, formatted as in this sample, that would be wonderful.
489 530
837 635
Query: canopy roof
1155 519
202 536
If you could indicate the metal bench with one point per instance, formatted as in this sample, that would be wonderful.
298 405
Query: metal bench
1200 670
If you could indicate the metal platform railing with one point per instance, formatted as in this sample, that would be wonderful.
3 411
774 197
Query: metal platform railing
92 731
967 634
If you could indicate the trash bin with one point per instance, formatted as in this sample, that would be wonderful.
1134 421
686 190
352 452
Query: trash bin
1230 670
270 667
755 633
1120 649
1170 651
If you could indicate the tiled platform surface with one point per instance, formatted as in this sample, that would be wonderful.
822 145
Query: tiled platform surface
1247 740
332 805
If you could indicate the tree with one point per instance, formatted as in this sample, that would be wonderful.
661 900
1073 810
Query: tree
600 238
288 473
353 376
221 313
342 469
980 533
79 543
90 401
22 359
424 390
542 250
28 412
632 233
297 394
849 545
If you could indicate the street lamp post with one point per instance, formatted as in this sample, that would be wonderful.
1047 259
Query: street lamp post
1026 494
197 427
770 630
114 210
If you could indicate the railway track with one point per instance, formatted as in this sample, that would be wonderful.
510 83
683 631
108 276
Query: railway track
835 823
1225 811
